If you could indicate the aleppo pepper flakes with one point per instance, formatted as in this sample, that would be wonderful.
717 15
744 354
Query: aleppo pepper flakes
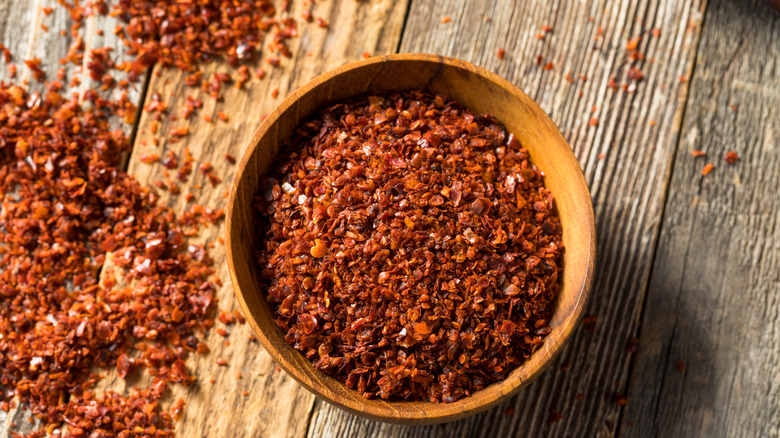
409 248
65 207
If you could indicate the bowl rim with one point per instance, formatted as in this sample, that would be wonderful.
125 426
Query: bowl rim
416 412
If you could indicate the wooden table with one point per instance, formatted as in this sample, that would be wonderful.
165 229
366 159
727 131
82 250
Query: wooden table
690 264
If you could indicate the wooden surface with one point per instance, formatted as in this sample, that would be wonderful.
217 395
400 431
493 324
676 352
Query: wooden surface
714 296
479 90
710 281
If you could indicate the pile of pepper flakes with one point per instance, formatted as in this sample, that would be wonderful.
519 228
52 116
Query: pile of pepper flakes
409 247
65 206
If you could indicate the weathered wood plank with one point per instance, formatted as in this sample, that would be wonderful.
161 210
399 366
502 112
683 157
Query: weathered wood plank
714 296
626 160
275 405
30 33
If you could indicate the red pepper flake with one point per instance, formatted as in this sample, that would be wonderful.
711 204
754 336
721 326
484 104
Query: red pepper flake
246 393
509 411
180 132
633 43
682 79
593 121
549 66
589 323
306 15
707 169
312 211
620 399
569 77
221 362
445 19
230 159
593 109
601 156
222 116
612 83
222 332
365 55
150 158
260 73
274 93
321 22
540 36
655 32
207 118
35 66
538 59
565 365
733 107
226 318
274 61
212 381
680 365
210 174
731 157
47 11
697 153
547 29
580 397
635 74
501 53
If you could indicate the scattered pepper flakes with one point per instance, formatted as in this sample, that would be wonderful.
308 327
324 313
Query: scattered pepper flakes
731 157
707 169
589 323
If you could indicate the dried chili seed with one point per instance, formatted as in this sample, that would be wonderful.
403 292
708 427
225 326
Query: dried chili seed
221 362
274 93
707 169
446 19
730 157
593 121
401 238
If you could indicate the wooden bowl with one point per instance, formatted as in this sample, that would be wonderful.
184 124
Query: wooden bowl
481 91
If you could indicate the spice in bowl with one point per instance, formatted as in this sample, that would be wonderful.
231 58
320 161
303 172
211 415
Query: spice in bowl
409 248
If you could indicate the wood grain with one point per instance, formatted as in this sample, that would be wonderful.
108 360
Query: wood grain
627 184
275 404
714 293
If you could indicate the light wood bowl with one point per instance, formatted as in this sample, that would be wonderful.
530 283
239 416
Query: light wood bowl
481 91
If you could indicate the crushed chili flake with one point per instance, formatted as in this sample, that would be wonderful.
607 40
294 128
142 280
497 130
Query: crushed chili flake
274 93
446 19
698 153
365 55
655 32
589 323
680 365
593 121
222 116
730 157
707 169
733 107
230 159
221 362
632 44
501 53
409 247
635 74
620 399
35 66
72 210
549 66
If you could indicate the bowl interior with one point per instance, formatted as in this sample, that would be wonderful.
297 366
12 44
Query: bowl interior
482 92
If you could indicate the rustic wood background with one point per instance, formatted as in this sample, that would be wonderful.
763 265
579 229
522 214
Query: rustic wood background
689 264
